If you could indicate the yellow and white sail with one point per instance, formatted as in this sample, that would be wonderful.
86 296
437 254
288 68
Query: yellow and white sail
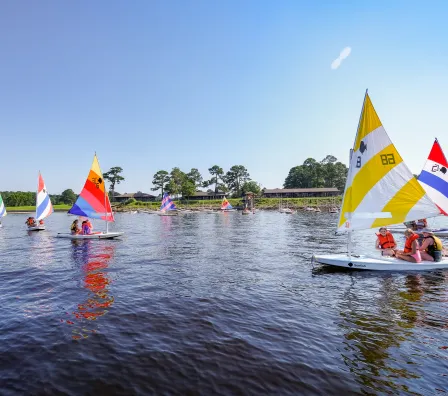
380 189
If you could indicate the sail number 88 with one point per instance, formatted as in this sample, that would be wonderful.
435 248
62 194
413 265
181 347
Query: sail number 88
387 159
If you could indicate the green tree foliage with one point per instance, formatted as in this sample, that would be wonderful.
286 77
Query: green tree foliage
160 180
19 198
130 201
177 178
188 187
235 178
311 174
68 197
217 178
56 199
114 177
195 176
250 186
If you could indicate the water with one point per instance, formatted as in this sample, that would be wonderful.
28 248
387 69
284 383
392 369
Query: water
213 304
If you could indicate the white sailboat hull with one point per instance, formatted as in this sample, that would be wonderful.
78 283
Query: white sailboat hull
377 264
168 214
100 235
37 228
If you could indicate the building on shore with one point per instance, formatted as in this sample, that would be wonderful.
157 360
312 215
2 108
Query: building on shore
206 196
138 196
301 192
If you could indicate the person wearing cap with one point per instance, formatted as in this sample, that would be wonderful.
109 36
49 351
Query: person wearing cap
411 250
421 224
385 242
431 248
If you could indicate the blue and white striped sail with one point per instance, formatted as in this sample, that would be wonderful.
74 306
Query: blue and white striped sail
2 208
167 204
44 208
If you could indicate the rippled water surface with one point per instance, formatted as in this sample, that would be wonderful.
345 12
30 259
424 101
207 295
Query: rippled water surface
213 304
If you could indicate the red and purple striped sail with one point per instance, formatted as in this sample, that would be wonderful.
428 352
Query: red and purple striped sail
93 202
434 177
167 204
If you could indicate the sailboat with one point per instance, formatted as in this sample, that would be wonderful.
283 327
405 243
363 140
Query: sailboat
167 207
226 207
2 210
434 179
380 190
93 203
282 209
44 208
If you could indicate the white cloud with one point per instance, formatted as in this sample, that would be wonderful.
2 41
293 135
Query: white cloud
344 54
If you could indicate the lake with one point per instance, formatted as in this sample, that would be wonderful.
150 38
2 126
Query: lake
206 304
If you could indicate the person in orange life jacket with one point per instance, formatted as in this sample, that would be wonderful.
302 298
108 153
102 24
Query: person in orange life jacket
30 222
432 248
411 250
385 242
41 222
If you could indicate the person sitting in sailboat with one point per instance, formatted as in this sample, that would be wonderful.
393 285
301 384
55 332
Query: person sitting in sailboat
411 250
432 248
41 222
74 229
86 227
421 224
30 222
385 242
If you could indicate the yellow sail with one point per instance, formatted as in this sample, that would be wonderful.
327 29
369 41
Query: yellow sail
380 188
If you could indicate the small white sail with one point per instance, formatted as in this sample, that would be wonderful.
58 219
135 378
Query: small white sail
2 208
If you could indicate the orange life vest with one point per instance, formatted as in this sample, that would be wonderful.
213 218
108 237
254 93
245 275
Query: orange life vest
387 241
408 243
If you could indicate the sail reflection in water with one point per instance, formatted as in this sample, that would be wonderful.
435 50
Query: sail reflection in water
93 259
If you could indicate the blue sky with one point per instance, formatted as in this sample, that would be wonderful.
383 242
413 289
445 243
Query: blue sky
153 85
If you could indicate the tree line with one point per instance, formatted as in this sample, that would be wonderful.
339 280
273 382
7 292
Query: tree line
28 198
311 174
236 181
314 174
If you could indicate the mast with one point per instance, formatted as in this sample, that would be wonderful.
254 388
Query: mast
37 192
105 199
349 236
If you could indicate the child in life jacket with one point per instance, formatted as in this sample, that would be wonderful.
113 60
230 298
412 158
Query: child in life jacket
74 229
411 250
432 247
385 242
30 222
86 227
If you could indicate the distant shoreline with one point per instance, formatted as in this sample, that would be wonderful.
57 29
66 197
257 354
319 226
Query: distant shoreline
23 211
323 203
